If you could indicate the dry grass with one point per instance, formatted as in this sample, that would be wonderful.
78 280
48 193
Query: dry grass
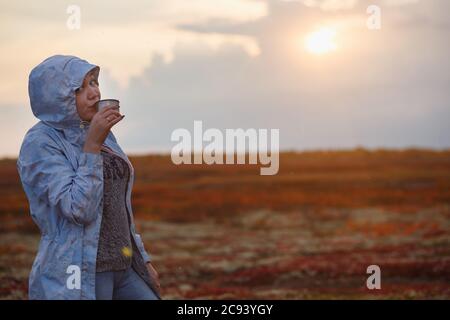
308 232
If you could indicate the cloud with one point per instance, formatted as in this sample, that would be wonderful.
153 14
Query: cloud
121 36
331 4
388 90
334 5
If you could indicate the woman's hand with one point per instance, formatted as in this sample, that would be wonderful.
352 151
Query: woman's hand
154 277
99 128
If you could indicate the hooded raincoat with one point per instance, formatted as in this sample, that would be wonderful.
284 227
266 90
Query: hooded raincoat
64 185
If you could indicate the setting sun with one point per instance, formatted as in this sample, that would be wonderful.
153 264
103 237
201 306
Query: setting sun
321 41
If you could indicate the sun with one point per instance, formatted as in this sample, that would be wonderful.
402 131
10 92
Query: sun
321 41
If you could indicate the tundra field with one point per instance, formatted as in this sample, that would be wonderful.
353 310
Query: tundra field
309 232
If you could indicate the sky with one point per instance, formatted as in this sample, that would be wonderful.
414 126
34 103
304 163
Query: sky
311 68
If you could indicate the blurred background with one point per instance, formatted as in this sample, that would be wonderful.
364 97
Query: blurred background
360 91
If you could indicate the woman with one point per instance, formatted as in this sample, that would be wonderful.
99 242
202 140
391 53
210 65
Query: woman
78 183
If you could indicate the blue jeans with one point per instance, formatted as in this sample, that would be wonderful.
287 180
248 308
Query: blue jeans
122 285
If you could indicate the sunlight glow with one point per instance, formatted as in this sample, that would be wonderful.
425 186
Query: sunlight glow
321 41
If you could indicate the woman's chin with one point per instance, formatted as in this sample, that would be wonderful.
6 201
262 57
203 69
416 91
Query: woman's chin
88 117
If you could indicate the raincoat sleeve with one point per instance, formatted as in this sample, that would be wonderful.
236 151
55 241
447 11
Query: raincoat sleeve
147 257
76 193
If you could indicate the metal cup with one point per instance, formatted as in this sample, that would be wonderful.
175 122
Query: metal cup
108 102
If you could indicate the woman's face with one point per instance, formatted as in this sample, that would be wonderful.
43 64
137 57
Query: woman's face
87 96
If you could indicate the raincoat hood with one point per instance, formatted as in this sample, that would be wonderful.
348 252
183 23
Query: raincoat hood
51 87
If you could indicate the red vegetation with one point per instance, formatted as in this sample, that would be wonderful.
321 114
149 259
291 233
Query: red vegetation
224 231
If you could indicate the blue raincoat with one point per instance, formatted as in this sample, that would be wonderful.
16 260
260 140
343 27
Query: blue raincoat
63 184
